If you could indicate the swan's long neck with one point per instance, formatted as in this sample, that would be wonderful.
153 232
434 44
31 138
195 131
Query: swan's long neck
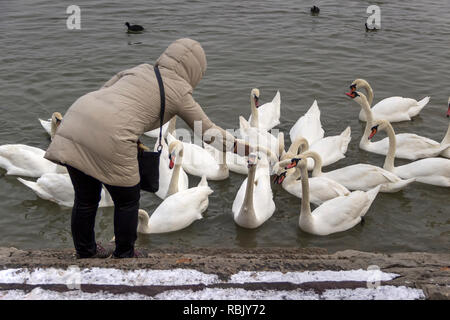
369 120
390 156
280 144
369 91
317 170
254 122
223 165
247 205
173 185
53 127
305 212
297 144
446 139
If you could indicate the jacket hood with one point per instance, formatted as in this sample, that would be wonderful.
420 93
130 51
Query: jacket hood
186 58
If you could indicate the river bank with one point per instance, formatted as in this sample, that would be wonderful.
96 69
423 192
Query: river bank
290 271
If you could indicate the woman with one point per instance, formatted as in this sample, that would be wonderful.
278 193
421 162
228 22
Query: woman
97 140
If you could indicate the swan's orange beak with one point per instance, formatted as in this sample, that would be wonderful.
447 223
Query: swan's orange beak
353 87
256 102
291 165
280 178
350 94
171 161
448 111
374 131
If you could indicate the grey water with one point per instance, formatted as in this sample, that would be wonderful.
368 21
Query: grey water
272 45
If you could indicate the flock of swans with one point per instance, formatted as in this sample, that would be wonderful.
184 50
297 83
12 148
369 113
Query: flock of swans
342 196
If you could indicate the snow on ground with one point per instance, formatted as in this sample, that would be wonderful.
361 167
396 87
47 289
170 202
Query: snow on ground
144 277
311 276
380 293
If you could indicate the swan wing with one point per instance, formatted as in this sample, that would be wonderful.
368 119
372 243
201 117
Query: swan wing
23 160
269 113
179 210
47 125
308 126
54 187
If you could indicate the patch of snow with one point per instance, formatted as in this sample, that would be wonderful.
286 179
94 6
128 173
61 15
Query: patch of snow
311 276
380 293
107 276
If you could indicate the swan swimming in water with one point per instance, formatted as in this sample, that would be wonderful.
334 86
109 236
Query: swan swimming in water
52 124
253 204
435 171
177 211
58 188
335 215
409 146
267 115
26 161
393 109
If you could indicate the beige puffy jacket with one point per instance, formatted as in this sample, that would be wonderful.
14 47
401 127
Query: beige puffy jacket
99 132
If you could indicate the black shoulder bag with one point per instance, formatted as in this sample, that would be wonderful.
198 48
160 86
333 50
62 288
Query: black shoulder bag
149 161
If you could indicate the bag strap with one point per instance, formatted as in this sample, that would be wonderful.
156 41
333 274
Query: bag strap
163 105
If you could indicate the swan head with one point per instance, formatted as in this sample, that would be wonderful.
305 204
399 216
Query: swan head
143 219
377 126
175 153
358 97
282 167
357 84
255 96
57 118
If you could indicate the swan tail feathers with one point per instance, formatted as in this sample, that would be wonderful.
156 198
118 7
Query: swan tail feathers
277 99
346 137
396 186
371 195
243 124
203 182
420 105
36 188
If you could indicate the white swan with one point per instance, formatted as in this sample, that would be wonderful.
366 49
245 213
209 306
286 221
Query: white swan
198 162
258 137
267 115
331 149
446 140
239 164
335 215
361 176
308 126
409 146
52 124
58 188
393 109
321 188
253 204
23 160
177 211
435 171
172 177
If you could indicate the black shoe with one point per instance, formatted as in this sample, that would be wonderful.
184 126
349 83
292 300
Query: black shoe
102 253
137 254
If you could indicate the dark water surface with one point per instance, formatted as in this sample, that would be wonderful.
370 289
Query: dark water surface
45 67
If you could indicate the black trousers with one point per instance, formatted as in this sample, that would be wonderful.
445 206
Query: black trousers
87 198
